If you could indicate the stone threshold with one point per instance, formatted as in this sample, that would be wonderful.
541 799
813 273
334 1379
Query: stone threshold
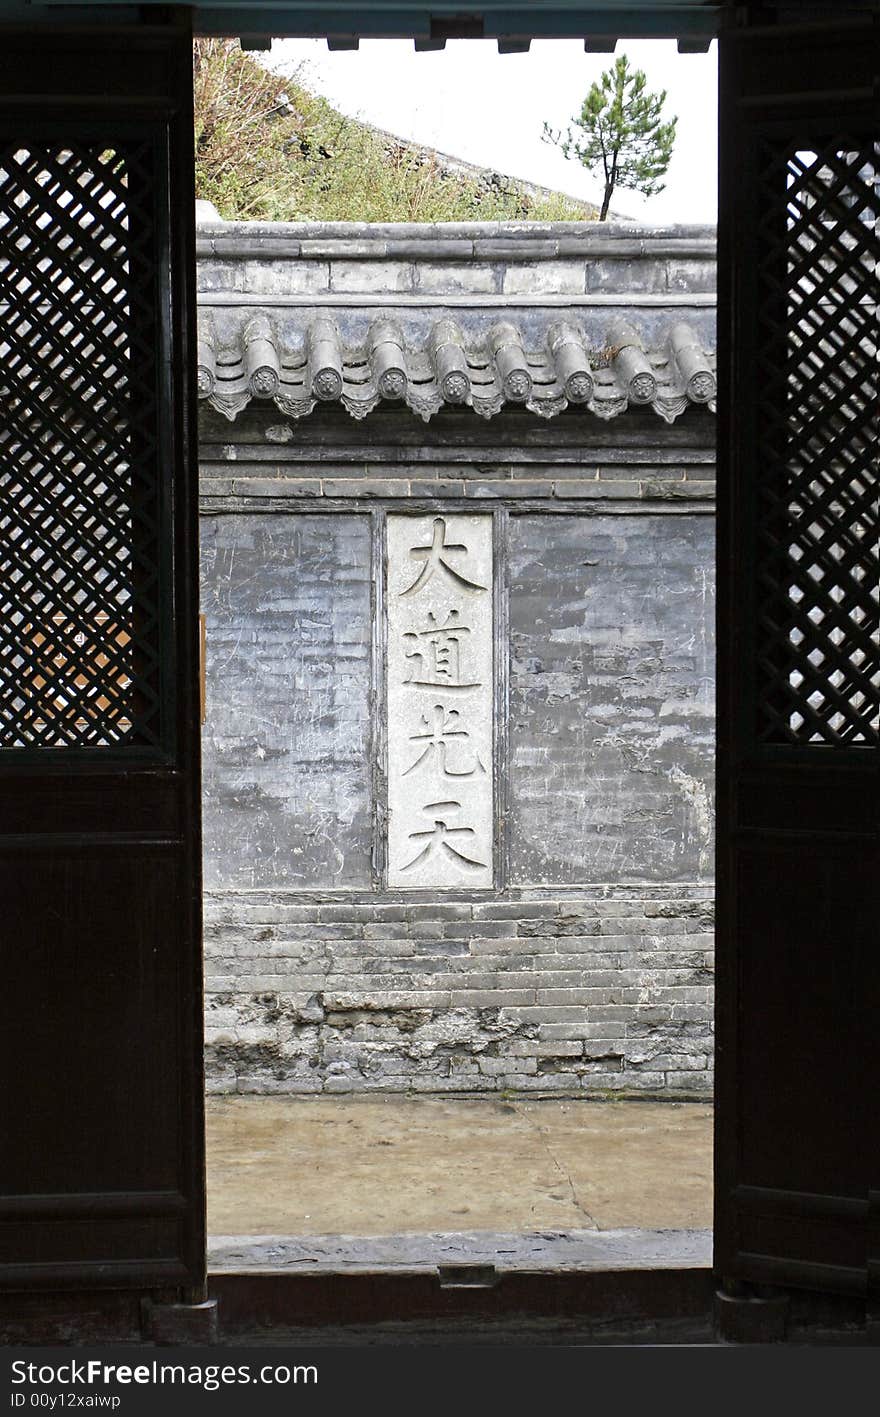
463 1259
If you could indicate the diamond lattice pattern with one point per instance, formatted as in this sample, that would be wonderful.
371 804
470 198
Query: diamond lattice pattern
79 660
818 676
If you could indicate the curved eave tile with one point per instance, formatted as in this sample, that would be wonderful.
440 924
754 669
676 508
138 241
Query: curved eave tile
487 375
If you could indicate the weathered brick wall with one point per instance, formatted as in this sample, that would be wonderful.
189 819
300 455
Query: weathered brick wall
611 715
286 794
591 969
591 991
588 969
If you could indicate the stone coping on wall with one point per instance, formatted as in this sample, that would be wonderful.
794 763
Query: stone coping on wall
484 263
452 241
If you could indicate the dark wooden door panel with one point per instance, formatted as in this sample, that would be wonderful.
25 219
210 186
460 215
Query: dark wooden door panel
805 1038
796 1149
102 1173
98 972
55 803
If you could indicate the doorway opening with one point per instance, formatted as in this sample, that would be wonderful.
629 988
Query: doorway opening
458 741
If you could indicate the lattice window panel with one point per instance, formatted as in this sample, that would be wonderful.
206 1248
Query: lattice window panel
818 667
79 531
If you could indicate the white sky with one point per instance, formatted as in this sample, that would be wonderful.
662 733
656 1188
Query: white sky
489 109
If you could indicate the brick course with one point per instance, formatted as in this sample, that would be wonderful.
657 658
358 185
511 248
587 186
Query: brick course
308 1004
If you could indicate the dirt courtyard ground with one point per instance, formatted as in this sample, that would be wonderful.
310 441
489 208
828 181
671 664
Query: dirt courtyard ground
391 1166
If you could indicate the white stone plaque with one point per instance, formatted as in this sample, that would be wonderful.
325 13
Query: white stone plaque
440 666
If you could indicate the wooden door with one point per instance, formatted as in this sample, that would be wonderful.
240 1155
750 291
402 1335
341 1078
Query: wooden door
797 1109
102 1161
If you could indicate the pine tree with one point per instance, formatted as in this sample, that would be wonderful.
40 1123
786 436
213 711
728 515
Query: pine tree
621 129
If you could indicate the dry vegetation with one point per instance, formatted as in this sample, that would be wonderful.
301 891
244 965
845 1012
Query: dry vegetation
269 149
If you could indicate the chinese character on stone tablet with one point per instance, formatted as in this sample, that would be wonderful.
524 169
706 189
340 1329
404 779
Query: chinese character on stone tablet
434 655
439 729
437 838
435 560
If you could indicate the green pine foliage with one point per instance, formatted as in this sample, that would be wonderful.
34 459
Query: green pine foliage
268 149
620 130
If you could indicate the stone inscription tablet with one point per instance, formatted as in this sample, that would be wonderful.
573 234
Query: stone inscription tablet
440 693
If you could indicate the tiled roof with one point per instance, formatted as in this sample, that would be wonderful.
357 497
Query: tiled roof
486 370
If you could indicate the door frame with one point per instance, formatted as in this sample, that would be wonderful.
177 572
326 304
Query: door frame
189 643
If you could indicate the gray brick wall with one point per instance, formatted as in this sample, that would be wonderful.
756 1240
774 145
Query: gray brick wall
287 606
263 462
587 993
590 970
611 718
